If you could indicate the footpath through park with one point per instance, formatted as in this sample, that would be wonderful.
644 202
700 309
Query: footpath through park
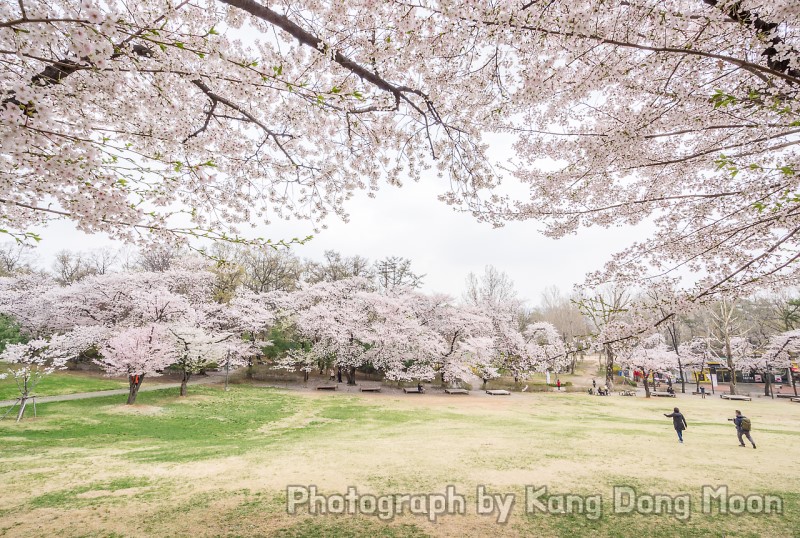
114 392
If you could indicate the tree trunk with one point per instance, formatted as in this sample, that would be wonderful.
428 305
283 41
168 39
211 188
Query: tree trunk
351 375
23 400
730 364
22 403
185 382
134 382
609 367
305 376
680 372
794 383
702 367
646 385
767 382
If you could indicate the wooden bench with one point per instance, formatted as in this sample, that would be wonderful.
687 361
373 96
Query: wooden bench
795 400
456 391
498 392
370 389
738 397
662 394
790 396
327 387
414 390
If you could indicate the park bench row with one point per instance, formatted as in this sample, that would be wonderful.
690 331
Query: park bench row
417 390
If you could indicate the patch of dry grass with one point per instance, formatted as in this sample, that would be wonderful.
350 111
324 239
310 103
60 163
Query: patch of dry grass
246 446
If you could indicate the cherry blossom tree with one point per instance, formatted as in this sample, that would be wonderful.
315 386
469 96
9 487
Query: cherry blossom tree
248 316
546 347
405 335
29 299
683 111
332 317
33 360
115 299
650 355
696 353
197 350
137 352
483 354
778 354
461 342
288 120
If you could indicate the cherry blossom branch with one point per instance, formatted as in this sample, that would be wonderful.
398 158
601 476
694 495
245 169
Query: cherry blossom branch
314 42
764 29
185 232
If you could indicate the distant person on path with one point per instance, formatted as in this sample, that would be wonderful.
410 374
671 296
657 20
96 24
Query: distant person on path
678 421
419 388
594 384
332 373
743 426
558 384
703 392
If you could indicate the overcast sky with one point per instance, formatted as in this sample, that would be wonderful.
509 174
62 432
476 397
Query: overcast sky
443 244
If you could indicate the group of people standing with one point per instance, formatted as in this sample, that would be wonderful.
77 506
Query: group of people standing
742 423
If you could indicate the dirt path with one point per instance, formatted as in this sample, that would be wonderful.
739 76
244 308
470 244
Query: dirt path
114 392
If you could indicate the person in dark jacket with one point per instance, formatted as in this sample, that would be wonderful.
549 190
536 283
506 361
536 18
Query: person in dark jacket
678 421
740 428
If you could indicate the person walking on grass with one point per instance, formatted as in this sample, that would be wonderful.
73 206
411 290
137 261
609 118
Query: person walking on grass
743 426
678 421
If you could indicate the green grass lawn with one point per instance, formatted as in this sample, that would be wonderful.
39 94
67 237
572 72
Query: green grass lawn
59 383
218 464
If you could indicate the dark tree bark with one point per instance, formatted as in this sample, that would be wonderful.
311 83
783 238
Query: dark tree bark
609 366
134 383
185 381
765 29
730 364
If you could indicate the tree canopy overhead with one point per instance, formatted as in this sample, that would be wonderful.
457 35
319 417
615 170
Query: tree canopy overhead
196 118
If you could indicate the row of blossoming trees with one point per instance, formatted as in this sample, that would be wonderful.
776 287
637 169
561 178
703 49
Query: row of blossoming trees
623 334
137 324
